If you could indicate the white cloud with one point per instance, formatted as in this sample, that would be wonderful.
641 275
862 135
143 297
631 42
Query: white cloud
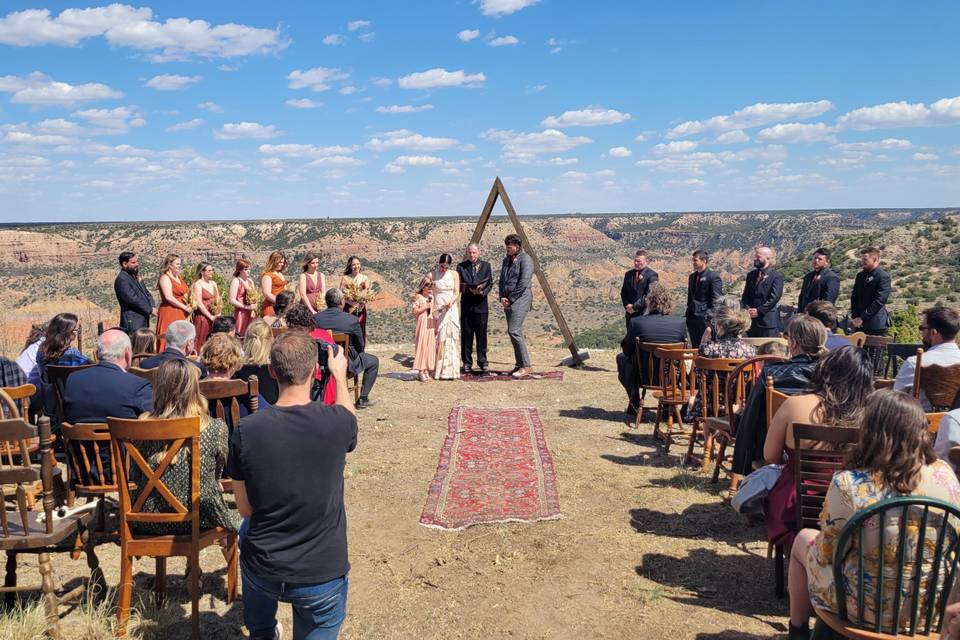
556 46
304 150
228 67
677 146
891 144
902 114
755 115
186 126
537 88
398 164
503 41
212 107
354 25
794 132
405 108
336 161
58 126
436 78
303 103
39 89
348 90
469 34
697 163
333 39
381 82
732 137
171 82
120 161
925 156
620 152
580 175
367 37
560 162
244 130
406 139
504 7
18 134
317 79
641 137
125 26
111 121
590 117
523 147
689 182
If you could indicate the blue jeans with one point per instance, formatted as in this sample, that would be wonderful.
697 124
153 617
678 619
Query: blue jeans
318 609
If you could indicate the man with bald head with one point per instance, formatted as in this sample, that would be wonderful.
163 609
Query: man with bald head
476 280
761 295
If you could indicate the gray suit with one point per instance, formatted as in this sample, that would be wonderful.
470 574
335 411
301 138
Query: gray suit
515 279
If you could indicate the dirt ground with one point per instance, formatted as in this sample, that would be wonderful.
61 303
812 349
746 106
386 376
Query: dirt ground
644 547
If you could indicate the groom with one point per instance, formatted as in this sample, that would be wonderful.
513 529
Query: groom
476 280
136 303
516 297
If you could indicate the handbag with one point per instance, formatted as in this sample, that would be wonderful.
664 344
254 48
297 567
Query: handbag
751 496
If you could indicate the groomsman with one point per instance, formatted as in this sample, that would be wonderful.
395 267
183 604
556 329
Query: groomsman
636 284
821 283
516 298
704 289
136 303
476 280
761 295
871 290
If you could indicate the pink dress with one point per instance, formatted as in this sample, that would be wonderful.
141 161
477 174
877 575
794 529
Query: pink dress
313 289
242 317
425 343
200 321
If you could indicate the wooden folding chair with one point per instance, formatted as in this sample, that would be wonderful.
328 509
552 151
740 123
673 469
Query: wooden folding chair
876 347
343 340
915 389
32 532
225 395
941 385
711 374
146 374
678 386
57 378
14 405
138 357
127 439
90 465
646 357
856 339
896 353
278 331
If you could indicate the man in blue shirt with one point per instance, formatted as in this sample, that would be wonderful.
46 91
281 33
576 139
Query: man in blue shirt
826 313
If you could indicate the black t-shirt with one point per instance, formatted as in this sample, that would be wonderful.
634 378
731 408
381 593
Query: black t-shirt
291 461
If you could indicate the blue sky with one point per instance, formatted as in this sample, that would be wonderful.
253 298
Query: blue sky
314 109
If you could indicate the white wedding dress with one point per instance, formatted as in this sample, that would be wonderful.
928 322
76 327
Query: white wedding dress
448 326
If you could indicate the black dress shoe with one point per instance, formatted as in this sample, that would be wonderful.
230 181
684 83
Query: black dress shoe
485 368
466 369
363 403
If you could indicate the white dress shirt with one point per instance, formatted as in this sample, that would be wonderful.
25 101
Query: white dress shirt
944 354
948 436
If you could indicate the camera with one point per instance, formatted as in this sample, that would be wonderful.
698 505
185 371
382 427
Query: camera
322 355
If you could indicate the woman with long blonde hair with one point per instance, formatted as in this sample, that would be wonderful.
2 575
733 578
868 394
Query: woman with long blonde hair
312 284
173 297
176 394
256 360
272 282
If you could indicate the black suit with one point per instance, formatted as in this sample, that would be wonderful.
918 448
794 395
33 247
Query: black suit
652 328
636 285
337 320
171 354
871 291
763 294
136 303
474 310
824 285
703 292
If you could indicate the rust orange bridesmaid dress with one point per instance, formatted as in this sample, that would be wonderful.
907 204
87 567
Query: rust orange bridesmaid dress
167 313
277 284
200 321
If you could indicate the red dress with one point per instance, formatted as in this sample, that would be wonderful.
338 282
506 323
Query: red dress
242 316
313 289
200 321
167 313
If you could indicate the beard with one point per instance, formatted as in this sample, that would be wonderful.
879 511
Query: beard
134 271
926 345
757 264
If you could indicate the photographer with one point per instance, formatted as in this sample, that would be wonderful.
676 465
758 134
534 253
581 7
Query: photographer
336 320
299 318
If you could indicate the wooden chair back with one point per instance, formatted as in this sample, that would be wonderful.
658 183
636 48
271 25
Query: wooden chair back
353 379
816 466
646 356
712 377
910 596
856 339
15 432
941 384
57 377
917 373
278 331
774 400
876 347
127 440
739 383
933 422
146 374
678 381
759 342
225 395
138 358
86 473
15 404
897 352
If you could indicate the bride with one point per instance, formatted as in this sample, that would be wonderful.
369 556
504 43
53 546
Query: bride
446 297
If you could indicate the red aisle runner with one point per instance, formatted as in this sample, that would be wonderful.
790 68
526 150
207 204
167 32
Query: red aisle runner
494 467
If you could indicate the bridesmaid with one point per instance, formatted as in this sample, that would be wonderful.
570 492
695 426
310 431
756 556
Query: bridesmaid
425 342
173 294
272 282
312 284
352 276
241 283
206 299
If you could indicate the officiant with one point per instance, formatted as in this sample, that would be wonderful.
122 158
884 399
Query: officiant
476 279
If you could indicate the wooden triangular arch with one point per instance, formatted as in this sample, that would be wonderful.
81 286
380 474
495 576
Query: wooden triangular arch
497 190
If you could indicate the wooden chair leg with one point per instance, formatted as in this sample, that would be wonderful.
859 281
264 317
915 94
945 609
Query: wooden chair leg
778 571
232 556
656 425
720 455
708 439
694 428
195 594
667 437
126 593
160 582
50 602
10 580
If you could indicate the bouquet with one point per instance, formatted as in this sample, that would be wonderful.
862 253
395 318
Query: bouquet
188 299
216 306
252 297
358 296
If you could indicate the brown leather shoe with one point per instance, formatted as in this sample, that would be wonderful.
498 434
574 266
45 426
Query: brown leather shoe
522 372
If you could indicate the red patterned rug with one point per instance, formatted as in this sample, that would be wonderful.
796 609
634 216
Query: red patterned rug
494 467
504 376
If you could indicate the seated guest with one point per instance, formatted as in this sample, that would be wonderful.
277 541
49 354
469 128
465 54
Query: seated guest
295 549
948 436
826 313
727 325
57 346
805 343
256 358
176 394
144 340
773 348
892 458
336 320
181 339
221 355
276 320
27 360
655 325
224 324
11 375
838 391
938 330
